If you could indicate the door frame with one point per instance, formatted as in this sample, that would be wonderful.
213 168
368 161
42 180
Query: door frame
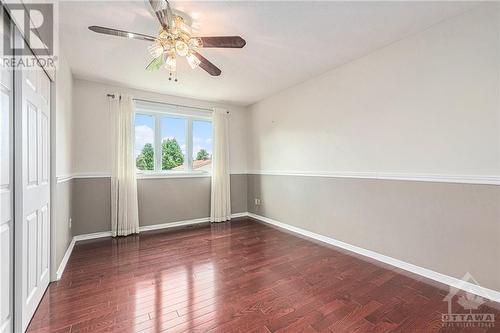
18 193
18 263
17 214
8 30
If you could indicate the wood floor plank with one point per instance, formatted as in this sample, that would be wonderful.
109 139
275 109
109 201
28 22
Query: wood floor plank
241 276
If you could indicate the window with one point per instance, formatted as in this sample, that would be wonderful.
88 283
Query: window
172 139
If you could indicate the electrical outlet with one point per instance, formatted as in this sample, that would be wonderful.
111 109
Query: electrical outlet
257 202
70 223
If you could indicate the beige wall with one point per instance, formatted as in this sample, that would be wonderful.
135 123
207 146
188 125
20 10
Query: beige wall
91 139
61 213
427 104
64 118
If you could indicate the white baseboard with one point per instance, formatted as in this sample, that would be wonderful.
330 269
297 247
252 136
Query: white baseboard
235 216
445 279
173 224
65 259
184 223
92 236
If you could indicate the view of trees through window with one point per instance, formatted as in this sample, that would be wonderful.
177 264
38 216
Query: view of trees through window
144 142
173 143
173 146
202 145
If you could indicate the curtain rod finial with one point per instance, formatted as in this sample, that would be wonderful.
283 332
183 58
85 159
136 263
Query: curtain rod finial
113 96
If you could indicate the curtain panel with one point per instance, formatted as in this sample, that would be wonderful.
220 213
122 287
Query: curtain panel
220 203
124 207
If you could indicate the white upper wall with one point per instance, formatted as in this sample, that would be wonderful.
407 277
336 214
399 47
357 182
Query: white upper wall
426 104
91 136
64 112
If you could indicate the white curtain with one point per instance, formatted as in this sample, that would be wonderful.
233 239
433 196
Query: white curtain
124 211
220 202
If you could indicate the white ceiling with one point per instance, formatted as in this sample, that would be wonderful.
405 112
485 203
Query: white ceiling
287 42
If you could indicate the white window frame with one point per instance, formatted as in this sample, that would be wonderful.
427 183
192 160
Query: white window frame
159 110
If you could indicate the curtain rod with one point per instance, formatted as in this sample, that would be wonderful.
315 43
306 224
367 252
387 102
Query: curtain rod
170 104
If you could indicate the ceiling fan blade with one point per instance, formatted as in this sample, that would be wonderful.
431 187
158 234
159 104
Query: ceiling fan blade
223 41
121 33
162 10
207 65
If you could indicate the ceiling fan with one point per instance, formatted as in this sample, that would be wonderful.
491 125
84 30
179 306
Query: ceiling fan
175 39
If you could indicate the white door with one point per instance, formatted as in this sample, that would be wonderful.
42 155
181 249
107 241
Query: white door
6 190
33 200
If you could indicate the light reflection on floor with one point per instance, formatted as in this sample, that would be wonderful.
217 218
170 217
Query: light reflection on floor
186 291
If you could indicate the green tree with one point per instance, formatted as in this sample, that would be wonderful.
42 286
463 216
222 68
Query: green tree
171 154
145 160
202 155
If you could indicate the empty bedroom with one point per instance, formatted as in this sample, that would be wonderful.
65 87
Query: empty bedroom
249 166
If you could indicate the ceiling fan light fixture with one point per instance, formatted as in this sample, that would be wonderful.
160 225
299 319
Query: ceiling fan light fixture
183 27
181 48
173 28
195 43
156 50
193 60
175 39
186 29
171 63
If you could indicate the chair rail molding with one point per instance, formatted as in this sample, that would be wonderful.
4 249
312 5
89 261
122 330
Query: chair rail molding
440 178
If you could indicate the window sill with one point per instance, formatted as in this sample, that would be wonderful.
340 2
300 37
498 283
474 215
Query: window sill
154 175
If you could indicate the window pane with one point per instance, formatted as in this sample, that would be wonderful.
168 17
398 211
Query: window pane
173 143
202 145
144 142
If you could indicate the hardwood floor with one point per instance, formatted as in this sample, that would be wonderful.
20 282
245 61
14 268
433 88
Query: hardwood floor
242 276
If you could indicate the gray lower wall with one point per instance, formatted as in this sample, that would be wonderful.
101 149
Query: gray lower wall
91 205
161 200
63 206
449 228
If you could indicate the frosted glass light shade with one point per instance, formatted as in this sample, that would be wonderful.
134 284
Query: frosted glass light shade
181 48
171 63
155 50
